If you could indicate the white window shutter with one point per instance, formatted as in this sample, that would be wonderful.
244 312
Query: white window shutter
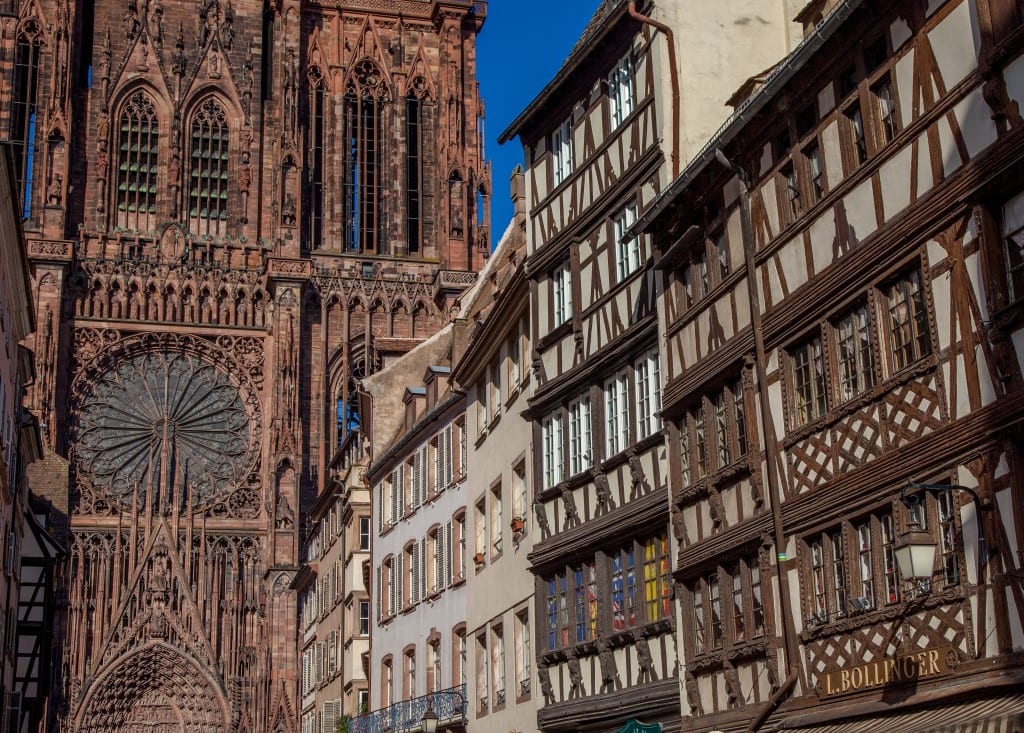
399 582
448 555
423 474
423 568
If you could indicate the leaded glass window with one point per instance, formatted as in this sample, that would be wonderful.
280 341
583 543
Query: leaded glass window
23 113
208 171
137 153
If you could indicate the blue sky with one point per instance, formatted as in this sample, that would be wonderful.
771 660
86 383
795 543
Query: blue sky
521 47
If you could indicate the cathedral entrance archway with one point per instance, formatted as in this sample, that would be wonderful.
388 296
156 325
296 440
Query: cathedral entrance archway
154 689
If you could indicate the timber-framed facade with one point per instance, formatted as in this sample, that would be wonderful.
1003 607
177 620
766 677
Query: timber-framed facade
840 319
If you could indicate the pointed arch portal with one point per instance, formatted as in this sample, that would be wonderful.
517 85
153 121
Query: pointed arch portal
154 689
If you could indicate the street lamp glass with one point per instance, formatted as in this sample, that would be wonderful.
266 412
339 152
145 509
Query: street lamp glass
915 554
429 721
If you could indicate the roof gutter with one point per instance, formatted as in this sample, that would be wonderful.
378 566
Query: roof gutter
735 124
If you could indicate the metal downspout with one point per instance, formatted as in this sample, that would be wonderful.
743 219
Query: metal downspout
673 77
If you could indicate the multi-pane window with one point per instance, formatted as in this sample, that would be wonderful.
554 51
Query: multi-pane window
561 294
208 171
808 374
524 653
315 169
361 154
580 449
707 448
657 578
577 603
706 267
885 108
627 250
498 664
364 618
791 192
520 498
23 113
855 130
815 172
616 414
497 531
624 588
620 91
483 674
909 337
561 151
551 429
433 666
1013 245
364 534
414 108
137 152
854 352
648 396
727 606
867 576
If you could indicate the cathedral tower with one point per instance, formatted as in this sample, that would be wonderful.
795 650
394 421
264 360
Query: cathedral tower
235 208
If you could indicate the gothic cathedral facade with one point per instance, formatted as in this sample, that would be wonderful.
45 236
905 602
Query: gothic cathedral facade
234 209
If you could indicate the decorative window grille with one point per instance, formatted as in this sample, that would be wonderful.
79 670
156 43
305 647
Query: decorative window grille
208 171
137 148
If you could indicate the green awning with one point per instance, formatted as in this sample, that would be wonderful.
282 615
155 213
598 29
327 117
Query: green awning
635 726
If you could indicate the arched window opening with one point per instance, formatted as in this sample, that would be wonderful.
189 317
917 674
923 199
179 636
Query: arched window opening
363 153
208 171
314 228
137 152
414 171
347 404
23 115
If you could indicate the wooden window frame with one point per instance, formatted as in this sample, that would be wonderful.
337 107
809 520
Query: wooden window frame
622 76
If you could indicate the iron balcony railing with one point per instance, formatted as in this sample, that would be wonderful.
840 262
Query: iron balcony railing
407 715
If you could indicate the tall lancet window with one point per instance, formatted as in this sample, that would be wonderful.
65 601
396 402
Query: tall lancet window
208 171
363 145
23 113
314 229
414 133
137 144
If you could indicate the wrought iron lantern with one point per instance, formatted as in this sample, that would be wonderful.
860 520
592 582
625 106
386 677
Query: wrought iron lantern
429 719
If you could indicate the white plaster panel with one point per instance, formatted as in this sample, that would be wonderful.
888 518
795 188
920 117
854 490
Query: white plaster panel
730 501
1018 347
826 100
975 118
988 390
769 194
977 277
899 33
550 361
775 405
794 263
904 71
894 176
941 296
860 211
823 234
833 153
1014 76
566 348
742 304
703 323
734 233
956 57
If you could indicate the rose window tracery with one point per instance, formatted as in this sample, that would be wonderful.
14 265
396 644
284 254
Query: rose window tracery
168 422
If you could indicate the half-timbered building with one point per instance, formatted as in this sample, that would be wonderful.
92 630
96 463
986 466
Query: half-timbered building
262 201
841 348
599 142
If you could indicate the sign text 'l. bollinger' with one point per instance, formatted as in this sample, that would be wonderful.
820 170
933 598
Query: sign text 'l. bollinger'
887 671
